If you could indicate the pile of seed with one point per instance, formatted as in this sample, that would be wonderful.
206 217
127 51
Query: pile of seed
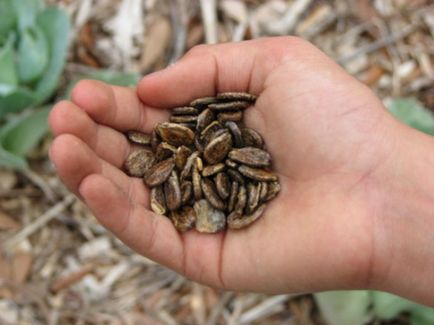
205 169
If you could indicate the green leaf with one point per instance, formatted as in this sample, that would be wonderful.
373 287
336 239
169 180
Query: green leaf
412 112
117 78
27 11
422 315
8 75
54 23
32 54
20 135
388 306
7 18
344 307
56 27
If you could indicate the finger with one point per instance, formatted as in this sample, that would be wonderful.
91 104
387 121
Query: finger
150 234
74 160
209 69
116 107
107 143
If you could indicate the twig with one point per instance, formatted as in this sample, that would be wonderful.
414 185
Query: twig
179 19
263 309
382 42
41 183
70 279
218 308
208 8
40 222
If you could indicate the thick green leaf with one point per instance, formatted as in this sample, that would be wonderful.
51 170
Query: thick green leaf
344 307
56 27
422 316
411 112
27 11
388 306
21 98
7 18
21 134
54 23
10 160
8 73
117 78
32 54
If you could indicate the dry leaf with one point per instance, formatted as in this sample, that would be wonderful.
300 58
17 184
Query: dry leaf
21 265
156 43
7 222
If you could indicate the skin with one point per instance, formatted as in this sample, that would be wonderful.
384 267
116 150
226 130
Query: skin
355 209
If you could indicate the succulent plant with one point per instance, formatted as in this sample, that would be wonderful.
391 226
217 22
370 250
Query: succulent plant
33 45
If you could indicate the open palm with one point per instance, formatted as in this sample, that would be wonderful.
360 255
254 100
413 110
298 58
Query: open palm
328 136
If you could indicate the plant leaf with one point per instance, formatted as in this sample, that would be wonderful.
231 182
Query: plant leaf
56 27
7 18
27 11
412 113
388 306
19 99
8 159
8 75
344 307
21 134
422 315
32 54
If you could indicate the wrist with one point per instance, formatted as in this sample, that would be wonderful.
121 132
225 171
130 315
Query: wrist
403 261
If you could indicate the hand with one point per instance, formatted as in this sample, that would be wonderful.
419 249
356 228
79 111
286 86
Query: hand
330 139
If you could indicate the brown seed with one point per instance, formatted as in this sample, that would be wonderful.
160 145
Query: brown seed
251 138
218 148
139 137
223 186
257 174
183 219
230 163
175 134
241 199
204 119
233 196
155 140
183 119
191 126
235 116
233 216
158 173
251 156
263 191
203 102
211 195
244 221
191 161
234 96
230 106
207 133
185 110
158 201
208 219
138 162
273 190
164 151
236 133
197 188
235 176
198 145
199 164
252 197
181 156
212 169
186 192
172 192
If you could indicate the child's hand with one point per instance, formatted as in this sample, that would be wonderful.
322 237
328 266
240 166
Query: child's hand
332 144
